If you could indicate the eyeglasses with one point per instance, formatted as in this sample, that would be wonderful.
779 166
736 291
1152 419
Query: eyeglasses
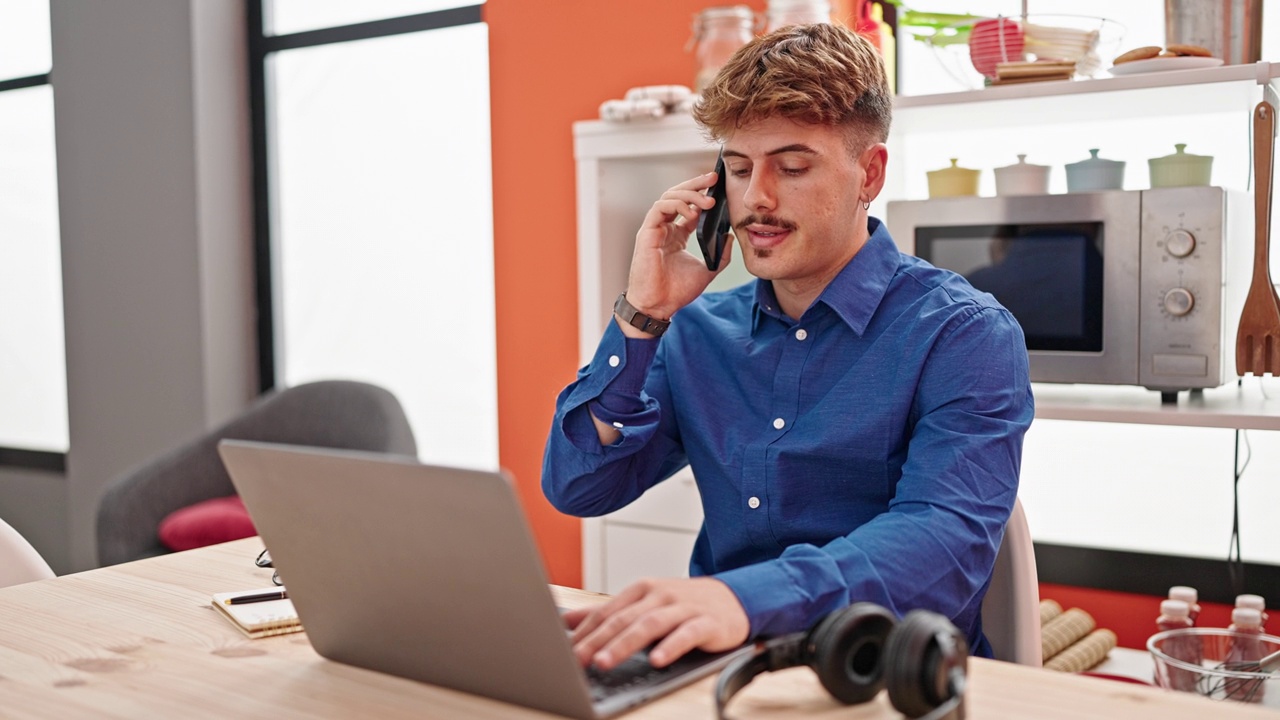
264 561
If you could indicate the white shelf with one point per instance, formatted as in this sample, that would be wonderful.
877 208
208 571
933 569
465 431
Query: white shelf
1212 90
1252 405
1139 97
667 135
1252 74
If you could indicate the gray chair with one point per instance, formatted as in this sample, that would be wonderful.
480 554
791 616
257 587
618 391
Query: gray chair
331 413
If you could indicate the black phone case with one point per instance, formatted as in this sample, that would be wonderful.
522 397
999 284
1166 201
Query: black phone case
713 224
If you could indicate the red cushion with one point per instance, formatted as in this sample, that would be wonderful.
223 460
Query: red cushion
206 523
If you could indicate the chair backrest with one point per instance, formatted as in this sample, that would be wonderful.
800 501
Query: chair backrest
1011 609
331 413
19 562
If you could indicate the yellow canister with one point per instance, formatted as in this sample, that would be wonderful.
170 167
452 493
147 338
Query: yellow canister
953 181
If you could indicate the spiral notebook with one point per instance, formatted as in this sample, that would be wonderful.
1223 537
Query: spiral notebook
259 619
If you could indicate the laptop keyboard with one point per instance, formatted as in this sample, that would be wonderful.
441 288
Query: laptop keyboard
635 672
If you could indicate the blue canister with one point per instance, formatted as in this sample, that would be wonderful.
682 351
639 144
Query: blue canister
1095 174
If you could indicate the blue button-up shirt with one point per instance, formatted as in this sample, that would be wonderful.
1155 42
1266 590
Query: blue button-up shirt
868 451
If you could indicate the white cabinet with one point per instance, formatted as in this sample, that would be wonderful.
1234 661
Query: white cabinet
623 168
651 537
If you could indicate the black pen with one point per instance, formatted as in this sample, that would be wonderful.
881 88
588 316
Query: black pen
260 597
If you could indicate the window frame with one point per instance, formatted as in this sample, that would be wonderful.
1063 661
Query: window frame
25 458
262 46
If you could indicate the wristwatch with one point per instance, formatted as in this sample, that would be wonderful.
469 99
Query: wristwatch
637 319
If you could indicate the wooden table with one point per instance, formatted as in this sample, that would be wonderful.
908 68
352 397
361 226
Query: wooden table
141 640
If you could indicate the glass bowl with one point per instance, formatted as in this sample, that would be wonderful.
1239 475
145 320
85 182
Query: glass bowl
1089 41
1203 661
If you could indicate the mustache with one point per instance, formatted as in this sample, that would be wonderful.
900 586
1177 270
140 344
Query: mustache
771 220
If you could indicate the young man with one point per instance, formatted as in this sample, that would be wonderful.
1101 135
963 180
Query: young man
854 417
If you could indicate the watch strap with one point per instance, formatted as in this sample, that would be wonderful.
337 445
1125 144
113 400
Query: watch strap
638 320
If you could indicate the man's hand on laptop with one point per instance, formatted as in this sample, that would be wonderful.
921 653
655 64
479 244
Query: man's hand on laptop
683 614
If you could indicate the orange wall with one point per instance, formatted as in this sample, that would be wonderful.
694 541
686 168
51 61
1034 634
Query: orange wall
552 63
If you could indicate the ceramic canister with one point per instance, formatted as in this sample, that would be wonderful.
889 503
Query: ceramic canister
1095 174
1022 178
1180 169
953 181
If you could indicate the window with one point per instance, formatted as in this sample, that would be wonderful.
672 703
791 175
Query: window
294 16
33 385
376 140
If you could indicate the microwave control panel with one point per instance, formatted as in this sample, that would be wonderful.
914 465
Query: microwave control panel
1185 234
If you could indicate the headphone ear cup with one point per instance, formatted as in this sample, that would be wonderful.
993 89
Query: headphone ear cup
846 650
917 666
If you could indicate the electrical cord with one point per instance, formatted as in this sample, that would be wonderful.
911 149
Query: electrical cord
1235 561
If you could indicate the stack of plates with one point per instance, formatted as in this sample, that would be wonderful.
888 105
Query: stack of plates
1048 42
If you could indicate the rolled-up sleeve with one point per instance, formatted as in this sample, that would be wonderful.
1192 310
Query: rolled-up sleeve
623 385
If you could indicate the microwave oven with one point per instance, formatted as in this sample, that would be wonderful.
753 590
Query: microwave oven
1124 287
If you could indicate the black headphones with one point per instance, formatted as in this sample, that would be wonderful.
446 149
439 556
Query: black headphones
861 649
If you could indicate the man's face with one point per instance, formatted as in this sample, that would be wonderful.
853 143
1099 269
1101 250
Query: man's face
794 199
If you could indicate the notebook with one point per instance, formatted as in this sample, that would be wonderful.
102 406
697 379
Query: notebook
428 573
259 619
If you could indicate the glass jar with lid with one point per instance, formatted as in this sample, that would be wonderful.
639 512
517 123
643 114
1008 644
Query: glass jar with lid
719 32
781 13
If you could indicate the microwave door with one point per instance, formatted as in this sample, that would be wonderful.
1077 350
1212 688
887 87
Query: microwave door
1049 275
1065 267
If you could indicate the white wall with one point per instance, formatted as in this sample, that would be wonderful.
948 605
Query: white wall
154 187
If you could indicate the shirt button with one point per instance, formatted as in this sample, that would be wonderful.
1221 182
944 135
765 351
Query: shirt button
779 423
617 425
614 360
754 503
801 334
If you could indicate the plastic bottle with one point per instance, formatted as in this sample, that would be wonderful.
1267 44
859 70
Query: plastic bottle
1244 653
1176 615
888 46
871 25
1188 595
1257 602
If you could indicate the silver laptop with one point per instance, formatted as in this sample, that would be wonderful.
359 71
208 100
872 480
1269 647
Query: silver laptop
428 573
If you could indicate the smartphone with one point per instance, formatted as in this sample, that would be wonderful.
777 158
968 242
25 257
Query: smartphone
713 224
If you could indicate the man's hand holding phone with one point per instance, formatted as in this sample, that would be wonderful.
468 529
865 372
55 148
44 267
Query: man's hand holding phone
664 275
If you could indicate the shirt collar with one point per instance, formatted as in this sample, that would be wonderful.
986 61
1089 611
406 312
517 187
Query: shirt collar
855 292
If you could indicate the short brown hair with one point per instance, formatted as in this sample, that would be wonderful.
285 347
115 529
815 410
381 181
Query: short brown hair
820 74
